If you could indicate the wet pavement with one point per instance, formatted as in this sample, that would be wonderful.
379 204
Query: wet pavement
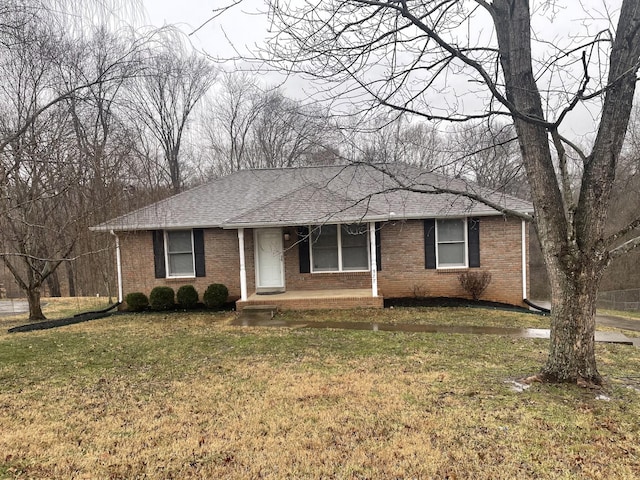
618 322
608 337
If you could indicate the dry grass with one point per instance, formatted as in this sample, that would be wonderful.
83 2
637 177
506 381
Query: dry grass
188 396
57 307
425 315
621 313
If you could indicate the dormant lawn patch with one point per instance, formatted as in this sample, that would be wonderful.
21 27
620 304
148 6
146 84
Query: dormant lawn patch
188 396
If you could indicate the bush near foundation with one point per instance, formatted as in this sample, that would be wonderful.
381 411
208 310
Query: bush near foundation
187 296
162 298
216 295
136 301
475 283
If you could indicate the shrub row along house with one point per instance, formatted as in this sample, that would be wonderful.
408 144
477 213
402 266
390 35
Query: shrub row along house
326 237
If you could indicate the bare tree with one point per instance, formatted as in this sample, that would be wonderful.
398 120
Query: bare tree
434 59
228 127
43 204
248 126
489 155
165 98
105 144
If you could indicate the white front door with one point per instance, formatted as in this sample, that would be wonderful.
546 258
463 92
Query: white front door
269 260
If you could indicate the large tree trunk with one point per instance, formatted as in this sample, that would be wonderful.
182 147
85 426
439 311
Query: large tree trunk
573 307
35 309
571 234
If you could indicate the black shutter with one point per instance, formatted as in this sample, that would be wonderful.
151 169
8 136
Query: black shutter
158 254
473 235
430 243
303 250
198 251
378 246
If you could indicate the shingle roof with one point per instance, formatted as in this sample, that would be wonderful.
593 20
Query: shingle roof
309 195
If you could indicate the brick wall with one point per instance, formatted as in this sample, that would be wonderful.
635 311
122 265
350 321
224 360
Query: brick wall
402 275
222 263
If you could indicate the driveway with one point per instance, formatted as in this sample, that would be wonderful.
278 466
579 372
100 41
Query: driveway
13 307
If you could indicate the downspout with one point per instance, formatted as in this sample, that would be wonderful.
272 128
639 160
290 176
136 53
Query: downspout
119 267
524 260
243 268
374 261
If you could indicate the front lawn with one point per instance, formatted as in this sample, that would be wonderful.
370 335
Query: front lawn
189 396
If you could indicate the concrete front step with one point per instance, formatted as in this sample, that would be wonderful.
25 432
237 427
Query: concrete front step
258 312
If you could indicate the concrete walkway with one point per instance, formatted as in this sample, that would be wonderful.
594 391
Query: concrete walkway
608 321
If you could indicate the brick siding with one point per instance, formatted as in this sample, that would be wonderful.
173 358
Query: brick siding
403 272
222 263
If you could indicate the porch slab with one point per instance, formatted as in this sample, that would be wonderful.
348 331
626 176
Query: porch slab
315 300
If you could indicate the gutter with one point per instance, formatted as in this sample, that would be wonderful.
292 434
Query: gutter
366 219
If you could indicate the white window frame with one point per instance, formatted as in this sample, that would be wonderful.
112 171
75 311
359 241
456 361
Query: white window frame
466 245
167 254
340 269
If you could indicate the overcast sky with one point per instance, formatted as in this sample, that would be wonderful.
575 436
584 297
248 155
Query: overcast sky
242 27
242 24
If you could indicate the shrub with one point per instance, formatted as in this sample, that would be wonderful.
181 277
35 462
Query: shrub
136 301
187 296
162 298
475 283
215 296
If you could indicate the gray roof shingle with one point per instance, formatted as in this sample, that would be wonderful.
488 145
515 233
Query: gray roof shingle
311 195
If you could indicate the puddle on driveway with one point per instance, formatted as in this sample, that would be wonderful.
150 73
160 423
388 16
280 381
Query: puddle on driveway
388 327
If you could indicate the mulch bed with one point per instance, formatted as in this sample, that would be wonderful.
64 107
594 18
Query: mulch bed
451 302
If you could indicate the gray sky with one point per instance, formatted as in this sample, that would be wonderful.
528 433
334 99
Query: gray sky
240 25
243 28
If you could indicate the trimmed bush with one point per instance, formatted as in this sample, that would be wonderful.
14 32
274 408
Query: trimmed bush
136 301
187 296
162 298
215 296
475 283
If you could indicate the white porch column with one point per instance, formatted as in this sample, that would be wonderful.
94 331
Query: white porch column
524 259
374 262
243 268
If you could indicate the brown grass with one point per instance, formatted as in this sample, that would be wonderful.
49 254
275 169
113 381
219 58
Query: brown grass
188 396
57 307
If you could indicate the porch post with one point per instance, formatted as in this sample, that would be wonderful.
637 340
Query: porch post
243 268
374 262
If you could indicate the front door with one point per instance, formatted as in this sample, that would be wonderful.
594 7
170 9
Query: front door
269 260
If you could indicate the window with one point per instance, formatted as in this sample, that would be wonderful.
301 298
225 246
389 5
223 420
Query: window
451 237
338 248
180 258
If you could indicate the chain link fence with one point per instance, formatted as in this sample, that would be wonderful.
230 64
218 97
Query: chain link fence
625 300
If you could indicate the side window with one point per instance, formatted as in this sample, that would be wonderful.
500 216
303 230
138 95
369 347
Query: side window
451 238
180 258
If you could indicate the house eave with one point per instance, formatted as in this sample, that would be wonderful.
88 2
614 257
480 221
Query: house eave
105 228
